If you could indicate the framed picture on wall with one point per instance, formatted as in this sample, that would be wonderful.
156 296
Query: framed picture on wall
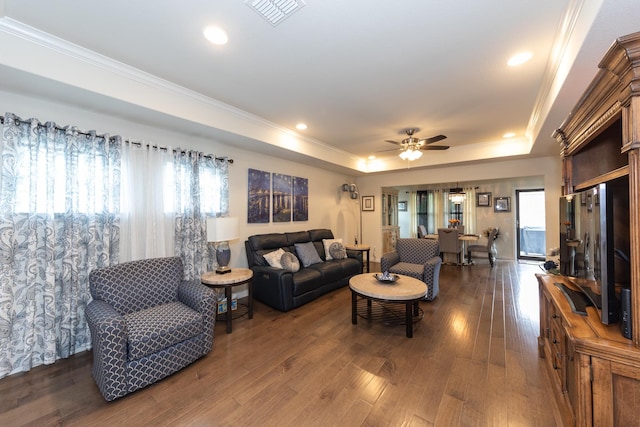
483 199
402 206
502 204
368 203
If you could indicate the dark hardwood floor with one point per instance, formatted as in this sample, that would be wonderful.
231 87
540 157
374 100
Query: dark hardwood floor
473 361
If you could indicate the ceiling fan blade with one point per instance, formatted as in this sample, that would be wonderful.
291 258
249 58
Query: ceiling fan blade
391 149
435 147
434 139
393 142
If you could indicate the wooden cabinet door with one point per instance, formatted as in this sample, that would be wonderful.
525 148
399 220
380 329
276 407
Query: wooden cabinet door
616 393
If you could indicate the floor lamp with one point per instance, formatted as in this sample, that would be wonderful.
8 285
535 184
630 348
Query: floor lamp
354 195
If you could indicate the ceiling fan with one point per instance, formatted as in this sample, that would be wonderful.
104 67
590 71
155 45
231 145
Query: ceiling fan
411 147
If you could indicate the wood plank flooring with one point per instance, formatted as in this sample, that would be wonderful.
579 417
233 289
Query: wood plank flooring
473 361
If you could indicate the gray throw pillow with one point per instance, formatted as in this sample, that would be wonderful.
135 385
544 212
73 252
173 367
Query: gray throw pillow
337 250
307 254
290 262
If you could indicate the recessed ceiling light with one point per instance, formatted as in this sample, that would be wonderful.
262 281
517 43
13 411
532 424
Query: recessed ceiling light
371 157
509 135
519 58
216 35
301 126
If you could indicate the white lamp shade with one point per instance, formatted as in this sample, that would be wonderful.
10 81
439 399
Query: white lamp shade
222 229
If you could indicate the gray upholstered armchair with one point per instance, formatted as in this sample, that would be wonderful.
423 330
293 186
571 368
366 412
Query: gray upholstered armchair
417 258
146 323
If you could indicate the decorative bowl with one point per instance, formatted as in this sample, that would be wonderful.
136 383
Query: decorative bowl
388 279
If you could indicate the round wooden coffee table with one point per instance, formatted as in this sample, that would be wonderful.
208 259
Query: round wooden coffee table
406 290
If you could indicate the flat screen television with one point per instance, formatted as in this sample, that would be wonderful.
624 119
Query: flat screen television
587 250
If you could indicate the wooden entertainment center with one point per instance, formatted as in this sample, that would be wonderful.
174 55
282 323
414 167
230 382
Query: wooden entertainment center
595 371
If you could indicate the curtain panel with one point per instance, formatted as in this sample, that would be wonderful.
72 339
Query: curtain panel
74 201
59 201
201 191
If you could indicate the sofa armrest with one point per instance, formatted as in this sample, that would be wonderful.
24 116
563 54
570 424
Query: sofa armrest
355 254
273 286
388 260
109 338
197 296
431 276
203 300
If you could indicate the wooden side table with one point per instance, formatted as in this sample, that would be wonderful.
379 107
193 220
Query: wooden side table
361 248
237 277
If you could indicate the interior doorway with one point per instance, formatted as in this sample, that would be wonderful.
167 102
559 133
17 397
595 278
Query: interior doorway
530 224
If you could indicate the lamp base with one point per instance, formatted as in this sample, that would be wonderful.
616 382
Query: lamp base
223 270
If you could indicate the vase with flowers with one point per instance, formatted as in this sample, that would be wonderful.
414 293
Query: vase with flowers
453 223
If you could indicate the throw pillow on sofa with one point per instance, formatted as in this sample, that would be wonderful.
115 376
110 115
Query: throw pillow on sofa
337 250
290 262
328 243
273 258
307 254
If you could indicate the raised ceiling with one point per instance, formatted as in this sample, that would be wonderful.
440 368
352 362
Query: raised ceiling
356 72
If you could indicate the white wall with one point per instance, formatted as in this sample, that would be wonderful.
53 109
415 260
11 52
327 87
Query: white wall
501 178
329 207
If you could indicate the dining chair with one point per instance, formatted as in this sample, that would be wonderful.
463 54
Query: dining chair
449 243
422 232
486 248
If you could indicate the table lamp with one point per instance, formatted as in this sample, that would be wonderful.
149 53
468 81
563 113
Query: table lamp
220 230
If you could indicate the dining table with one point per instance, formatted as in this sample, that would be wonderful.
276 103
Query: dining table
464 238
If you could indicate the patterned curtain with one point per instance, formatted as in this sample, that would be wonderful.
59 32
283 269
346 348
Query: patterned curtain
202 190
59 201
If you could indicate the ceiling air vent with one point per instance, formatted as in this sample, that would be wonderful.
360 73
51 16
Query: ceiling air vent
275 11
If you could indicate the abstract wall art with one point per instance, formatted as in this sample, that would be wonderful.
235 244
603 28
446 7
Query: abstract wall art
259 200
300 199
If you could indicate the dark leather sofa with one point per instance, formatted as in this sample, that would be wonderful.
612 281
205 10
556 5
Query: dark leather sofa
284 290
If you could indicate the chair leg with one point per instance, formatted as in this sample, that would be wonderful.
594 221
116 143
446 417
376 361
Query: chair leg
491 260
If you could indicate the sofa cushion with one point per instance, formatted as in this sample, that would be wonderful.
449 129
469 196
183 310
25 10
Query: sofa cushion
327 248
307 254
290 262
318 234
160 327
261 244
307 279
137 285
274 257
297 237
412 270
349 266
330 270
337 250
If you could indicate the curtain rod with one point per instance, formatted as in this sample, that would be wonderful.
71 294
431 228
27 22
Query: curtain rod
140 144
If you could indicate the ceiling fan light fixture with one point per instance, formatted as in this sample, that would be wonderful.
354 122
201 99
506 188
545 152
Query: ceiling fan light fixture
410 154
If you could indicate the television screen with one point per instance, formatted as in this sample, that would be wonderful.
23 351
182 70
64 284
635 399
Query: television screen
586 247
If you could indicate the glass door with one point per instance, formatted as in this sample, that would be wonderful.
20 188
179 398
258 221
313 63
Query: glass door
530 223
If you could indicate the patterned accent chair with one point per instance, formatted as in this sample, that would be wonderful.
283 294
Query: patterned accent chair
417 258
146 323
